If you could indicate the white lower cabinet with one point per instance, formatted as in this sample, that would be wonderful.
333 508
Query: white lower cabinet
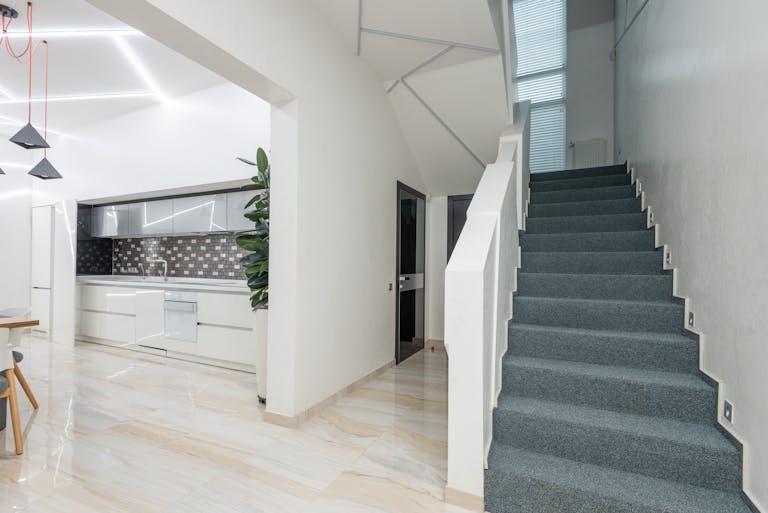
228 330
107 326
230 344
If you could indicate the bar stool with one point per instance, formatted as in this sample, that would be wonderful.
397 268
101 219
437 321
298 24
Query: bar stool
14 340
8 386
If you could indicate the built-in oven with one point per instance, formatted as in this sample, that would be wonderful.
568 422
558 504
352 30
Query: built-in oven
181 315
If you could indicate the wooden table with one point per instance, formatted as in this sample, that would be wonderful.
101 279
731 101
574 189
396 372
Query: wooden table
17 322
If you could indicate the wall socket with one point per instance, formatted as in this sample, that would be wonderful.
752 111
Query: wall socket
728 411
690 319
668 258
651 216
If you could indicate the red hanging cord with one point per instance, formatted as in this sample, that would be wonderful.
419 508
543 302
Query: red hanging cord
31 53
45 123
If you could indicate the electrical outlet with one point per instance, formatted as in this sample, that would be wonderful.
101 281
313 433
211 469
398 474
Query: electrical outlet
668 258
690 319
639 186
728 411
651 216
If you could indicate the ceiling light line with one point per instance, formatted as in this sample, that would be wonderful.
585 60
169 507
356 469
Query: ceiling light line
51 34
86 97
139 66
429 40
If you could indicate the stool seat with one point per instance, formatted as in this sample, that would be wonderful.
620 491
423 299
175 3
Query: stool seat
3 384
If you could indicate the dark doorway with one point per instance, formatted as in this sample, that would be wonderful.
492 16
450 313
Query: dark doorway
457 217
411 240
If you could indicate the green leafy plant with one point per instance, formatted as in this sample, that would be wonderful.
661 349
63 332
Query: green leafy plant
256 241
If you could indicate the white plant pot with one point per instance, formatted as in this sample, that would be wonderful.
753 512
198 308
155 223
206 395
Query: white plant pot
261 348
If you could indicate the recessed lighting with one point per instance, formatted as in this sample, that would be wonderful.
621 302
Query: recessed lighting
85 97
14 164
51 34
138 66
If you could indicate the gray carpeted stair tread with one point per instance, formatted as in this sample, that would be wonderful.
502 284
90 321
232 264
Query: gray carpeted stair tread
593 262
607 242
638 376
688 433
681 396
520 481
576 208
642 350
686 452
590 223
652 316
596 286
616 169
584 182
587 194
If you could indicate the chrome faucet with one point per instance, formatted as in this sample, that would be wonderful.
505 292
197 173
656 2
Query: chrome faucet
165 266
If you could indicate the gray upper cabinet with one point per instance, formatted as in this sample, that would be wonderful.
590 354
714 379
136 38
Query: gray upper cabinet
111 221
177 216
200 214
236 202
151 218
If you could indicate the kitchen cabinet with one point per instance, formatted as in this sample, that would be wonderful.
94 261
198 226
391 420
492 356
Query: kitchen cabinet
200 214
150 218
41 266
111 221
236 202
224 310
226 343
229 333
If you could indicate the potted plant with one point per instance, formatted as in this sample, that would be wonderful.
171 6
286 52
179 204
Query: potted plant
256 261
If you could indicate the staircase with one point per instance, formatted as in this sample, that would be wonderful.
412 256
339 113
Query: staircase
602 408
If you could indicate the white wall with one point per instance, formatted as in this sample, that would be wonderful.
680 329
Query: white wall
186 141
589 89
16 224
338 153
692 103
437 259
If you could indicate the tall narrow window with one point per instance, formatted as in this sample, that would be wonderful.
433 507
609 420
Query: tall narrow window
541 32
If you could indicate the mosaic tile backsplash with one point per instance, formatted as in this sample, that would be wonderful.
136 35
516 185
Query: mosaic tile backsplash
199 256
94 256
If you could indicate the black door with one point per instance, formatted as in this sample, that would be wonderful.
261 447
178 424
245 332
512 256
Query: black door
411 226
457 217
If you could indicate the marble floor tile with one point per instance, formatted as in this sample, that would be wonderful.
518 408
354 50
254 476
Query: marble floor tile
125 432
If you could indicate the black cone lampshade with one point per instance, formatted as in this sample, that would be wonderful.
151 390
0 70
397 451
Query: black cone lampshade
29 138
45 171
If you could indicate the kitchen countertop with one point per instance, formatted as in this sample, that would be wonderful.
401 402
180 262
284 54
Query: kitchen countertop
156 282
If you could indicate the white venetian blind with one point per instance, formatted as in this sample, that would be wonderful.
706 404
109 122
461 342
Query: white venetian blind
541 33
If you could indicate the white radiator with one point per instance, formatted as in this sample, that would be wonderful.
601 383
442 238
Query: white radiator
589 153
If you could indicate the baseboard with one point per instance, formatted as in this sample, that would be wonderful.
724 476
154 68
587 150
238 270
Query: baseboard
296 420
435 343
464 500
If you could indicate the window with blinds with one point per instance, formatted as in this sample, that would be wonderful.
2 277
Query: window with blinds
541 33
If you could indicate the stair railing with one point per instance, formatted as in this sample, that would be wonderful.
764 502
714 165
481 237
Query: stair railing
479 282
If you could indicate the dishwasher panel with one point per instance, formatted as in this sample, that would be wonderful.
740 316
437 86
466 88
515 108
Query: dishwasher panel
181 316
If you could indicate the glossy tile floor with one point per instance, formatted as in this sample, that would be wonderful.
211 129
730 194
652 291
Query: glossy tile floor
122 431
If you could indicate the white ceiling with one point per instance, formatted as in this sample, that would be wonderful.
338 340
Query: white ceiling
463 88
91 77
